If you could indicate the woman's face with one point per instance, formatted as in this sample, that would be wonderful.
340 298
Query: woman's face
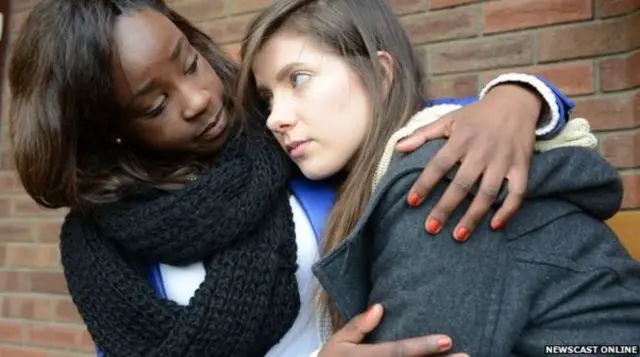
173 98
320 108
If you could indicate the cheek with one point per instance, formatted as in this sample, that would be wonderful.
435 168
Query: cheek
353 114
212 81
159 133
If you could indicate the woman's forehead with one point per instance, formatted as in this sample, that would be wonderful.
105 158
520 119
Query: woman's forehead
144 37
145 41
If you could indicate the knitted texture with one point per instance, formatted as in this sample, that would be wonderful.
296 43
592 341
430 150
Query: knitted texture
236 219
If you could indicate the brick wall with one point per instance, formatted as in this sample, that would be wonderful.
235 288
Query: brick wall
588 47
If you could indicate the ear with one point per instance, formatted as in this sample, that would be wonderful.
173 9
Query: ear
388 66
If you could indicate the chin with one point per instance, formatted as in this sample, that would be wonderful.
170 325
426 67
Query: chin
316 172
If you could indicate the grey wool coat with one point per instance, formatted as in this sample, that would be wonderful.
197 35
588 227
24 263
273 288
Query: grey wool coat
554 275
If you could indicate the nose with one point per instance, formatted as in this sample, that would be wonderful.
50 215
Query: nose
282 116
196 101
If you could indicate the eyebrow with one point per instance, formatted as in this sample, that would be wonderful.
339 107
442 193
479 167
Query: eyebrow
148 87
177 49
283 72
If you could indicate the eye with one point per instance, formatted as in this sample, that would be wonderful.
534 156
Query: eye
157 107
299 78
193 67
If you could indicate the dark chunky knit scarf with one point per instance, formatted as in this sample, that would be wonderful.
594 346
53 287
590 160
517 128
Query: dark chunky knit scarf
237 219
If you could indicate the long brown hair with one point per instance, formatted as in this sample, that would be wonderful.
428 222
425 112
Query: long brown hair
356 30
64 109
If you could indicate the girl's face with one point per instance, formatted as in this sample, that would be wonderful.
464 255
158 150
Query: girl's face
320 108
173 98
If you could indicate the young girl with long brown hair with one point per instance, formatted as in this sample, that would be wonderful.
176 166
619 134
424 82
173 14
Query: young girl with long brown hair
344 85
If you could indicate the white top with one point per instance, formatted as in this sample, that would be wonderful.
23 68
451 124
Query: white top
303 338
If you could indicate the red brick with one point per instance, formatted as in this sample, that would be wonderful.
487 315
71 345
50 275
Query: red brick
452 86
227 30
6 160
21 351
66 311
631 197
606 8
438 4
500 16
622 150
28 307
66 353
233 50
573 78
503 51
10 331
48 282
45 282
608 113
86 342
14 281
32 256
405 6
9 182
5 207
441 25
46 335
199 10
12 231
48 231
586 40
620 73
243 6
26 207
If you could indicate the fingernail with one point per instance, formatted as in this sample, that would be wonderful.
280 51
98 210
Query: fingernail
497 225
414 199
371 308
433 226
462 234
444 344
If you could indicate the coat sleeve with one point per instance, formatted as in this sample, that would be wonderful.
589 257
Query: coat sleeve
585 289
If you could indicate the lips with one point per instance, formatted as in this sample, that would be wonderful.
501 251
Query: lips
297 148
292 145
210 125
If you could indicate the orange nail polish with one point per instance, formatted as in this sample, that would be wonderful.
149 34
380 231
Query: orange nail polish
414 199
497 225
462 234
433 226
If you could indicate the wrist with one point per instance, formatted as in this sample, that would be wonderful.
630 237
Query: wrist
520 95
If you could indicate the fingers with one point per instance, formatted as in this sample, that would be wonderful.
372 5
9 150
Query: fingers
441 163
492 181
437 130
412 347
359 326
518 179
456 192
